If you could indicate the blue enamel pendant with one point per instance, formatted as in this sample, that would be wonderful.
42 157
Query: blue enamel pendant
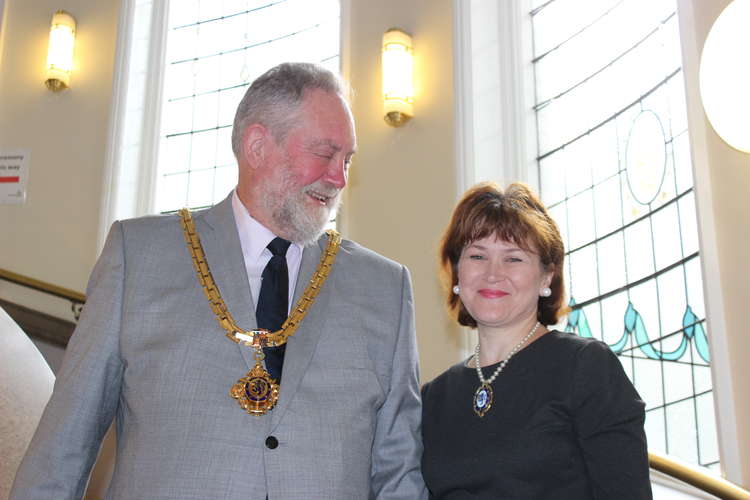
483 399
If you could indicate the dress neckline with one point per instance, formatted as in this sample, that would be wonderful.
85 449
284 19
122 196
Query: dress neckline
468 364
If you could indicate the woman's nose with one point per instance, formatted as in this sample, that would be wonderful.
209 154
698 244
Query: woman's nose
495 272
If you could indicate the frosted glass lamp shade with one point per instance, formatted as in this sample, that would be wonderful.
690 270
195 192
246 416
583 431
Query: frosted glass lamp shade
62 36
398 87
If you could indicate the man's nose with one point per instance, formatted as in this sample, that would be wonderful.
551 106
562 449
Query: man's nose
337 174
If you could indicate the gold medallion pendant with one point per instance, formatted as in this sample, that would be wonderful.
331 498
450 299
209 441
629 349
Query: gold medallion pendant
257 392
483 399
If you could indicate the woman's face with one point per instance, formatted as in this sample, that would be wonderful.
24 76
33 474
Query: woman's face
500 282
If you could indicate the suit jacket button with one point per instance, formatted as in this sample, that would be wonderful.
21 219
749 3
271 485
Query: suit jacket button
272 443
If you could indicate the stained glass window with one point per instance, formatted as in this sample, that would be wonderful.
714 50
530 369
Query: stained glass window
215 48
615 170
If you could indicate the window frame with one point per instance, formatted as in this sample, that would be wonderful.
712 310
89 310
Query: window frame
130 193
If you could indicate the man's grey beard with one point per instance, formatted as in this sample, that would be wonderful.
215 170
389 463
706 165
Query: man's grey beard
304 227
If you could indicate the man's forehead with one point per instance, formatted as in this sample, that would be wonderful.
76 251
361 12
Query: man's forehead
325 143
328 143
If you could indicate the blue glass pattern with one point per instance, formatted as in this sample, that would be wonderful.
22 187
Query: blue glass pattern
634 327
694 330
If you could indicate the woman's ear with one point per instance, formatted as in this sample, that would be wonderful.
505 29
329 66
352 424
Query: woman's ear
549 272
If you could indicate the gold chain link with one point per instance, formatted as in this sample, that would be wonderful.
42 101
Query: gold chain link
256 338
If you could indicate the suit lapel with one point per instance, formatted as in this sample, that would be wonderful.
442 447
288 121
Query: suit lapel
221 244
301 346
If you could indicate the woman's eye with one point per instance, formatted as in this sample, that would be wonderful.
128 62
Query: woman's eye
514 259
476 257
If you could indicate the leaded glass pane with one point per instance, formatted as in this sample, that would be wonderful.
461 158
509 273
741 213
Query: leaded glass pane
607 206
639 258
215 48
672 307
552 179
680 382
615 170
666 236
682 438
577 167
694 287
655 430
603 152
612 330
688 224
584 284
612 262
647 375
707 441
582 204
682 162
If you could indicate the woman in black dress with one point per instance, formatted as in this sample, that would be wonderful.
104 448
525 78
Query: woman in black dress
534 413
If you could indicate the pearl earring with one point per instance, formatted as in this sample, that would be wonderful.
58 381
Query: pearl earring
456 289
545 292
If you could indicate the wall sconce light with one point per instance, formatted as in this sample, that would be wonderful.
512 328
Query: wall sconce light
398 88
725 75
62 36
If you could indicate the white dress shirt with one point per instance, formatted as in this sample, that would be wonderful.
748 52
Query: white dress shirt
254 238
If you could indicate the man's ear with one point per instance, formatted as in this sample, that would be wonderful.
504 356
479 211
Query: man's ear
254 144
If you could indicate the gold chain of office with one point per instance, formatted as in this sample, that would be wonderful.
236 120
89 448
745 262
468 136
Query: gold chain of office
257 392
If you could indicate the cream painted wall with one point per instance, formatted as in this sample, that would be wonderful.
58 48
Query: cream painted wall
53 235
402 184
722 183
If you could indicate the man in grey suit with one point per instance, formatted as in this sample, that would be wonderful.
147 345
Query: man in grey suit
150 354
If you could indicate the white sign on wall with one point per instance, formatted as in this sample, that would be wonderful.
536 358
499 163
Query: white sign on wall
14 171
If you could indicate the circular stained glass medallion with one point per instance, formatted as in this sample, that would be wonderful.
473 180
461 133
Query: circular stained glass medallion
646 157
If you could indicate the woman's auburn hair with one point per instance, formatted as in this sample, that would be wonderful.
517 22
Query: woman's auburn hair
516 215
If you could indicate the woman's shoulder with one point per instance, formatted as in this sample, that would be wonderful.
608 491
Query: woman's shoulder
572 350
574 343
440 383
585 356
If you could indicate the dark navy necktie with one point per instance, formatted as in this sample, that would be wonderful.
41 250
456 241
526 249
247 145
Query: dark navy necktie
273 302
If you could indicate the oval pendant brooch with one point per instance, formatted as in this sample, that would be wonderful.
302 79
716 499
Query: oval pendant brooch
483 399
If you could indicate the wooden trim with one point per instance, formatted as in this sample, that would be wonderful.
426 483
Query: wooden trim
39 325
697 477
43 286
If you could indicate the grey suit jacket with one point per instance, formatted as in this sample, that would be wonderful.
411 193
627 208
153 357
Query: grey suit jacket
149 353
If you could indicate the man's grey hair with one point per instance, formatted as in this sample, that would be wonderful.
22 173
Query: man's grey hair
273 99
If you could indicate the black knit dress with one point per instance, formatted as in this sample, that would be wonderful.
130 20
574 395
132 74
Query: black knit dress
565 423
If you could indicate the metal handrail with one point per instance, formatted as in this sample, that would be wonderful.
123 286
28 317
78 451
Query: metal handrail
695 476
43 286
